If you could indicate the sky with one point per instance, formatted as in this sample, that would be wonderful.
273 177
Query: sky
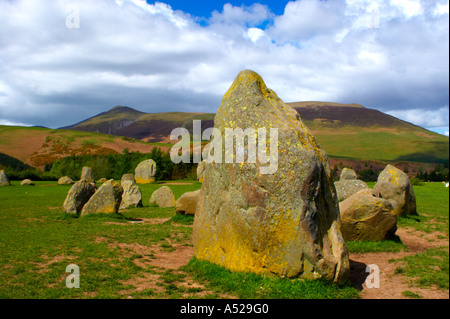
63 61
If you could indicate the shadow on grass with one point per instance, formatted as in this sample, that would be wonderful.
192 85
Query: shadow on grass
117 217
254 286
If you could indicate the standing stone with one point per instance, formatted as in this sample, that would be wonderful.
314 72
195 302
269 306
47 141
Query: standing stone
132 196
348 174
65 180
145 172
78 196
187 203
4 180
127 177
163 197
102 180
201 171
27 182
367 218
105 200
87 174
283 221
347 187
394 185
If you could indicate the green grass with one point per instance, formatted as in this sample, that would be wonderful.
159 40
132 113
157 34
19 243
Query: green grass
373 144
253 286
432 207
394 245
427 269
411 294
38 241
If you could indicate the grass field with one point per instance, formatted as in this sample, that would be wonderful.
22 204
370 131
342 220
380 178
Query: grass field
118 254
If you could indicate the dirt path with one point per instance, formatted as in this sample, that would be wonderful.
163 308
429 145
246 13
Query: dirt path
393 285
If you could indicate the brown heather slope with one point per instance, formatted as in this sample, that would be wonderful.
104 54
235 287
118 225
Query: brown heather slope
39 146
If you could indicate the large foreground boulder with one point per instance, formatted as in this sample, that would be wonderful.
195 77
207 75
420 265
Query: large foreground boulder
4 180
187 203
347 187
87 174
106 199
65 180
163 197
273 217
132 195
78 196
145 172
367 218
394 185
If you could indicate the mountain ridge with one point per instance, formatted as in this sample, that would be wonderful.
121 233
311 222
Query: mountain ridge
345 132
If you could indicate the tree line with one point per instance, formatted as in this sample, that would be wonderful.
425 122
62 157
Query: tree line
111 166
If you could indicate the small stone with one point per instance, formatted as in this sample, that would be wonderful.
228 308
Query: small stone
105 200
145 172
4 180
367 218
78 196
87 174
27 182
394 185
65 180
163 197
187 203
132 196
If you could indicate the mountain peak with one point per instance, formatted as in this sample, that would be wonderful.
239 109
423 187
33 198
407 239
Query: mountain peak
121 108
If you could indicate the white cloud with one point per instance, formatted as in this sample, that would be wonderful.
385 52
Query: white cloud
9 123
243 15
255 33
308 18
441 8
409 8
157 59
423 117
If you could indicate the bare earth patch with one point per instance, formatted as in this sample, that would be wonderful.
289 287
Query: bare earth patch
393 285
157 259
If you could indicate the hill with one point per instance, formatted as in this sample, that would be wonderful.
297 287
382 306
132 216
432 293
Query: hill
351 134
353 131
149 127
40 146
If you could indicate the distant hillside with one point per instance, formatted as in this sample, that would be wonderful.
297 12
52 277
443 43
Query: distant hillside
108 122
39 146
355 132
347 132
322 114
149 127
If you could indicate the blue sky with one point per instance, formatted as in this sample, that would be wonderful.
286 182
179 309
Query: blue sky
389 55
204 8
